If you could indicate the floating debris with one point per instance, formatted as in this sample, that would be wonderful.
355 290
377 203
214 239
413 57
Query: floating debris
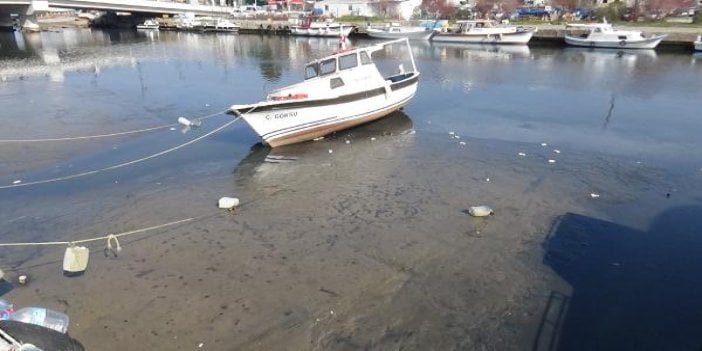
594 195
373 139
172 128
318 139
521 154
348 141
456 136
462 142
228 203
451 133
330 151
480 211
188 123
551 161
17 181
200 345
487 179
544 144
556 151
23 279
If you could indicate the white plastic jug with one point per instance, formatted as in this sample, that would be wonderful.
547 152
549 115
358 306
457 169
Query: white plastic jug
43 317
75 260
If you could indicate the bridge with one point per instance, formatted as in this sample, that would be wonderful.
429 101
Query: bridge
28 9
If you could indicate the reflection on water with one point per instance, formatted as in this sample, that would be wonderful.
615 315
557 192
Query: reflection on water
351 144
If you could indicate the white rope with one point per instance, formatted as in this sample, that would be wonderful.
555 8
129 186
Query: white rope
106 237
7 141
83 174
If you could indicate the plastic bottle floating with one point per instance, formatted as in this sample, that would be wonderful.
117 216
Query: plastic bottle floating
43 317
188 123
480 211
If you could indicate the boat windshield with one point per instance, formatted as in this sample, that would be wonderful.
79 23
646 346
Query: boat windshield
365 59
311 70
327 66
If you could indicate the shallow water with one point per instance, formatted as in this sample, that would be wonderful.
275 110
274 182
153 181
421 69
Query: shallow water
369 246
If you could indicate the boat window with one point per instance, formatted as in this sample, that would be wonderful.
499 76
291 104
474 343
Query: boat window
622 37
597 30
348 61
365 59
327 66
311 70
335 83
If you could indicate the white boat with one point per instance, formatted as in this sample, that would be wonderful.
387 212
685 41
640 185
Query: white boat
698 43
225 25
604 35
395 31
327 28
340 91
148 24
188 24
485 32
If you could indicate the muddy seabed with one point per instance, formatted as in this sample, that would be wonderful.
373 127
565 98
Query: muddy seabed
336 246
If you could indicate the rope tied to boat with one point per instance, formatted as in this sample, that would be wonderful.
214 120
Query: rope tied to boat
98 136
120 165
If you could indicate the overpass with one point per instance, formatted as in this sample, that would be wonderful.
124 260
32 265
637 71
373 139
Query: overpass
27 9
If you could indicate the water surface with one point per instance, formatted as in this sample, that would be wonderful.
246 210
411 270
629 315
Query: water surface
368 246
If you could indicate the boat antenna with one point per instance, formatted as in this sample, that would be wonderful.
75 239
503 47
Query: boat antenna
342 39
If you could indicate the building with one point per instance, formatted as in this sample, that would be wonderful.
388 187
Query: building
398 9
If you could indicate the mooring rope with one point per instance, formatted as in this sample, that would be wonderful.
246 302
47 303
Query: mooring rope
73 138
110 237
124 164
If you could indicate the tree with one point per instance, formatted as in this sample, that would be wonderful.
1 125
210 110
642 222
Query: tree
438 8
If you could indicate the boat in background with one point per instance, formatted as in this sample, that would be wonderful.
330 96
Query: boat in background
698 43
340 91
604 35
328 28
395 31
148 24
222 25
485 32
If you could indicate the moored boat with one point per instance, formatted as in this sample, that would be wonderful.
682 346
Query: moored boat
225 25
698 43
485 32
395 31
340 91
311 28
604 35
148 24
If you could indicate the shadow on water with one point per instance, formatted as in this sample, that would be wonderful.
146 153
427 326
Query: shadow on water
632 290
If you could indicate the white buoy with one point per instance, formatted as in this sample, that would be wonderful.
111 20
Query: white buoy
227 203
75 260
188 123
22 279
480 211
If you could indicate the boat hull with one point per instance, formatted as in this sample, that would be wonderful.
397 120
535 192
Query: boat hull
648 43
521 37
296 121
143 27
412 35
321 31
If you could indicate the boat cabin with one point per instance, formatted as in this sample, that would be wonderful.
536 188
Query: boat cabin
338 62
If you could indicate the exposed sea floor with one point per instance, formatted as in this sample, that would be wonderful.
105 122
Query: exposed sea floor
590 160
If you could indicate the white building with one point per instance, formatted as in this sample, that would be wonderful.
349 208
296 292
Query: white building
399 9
